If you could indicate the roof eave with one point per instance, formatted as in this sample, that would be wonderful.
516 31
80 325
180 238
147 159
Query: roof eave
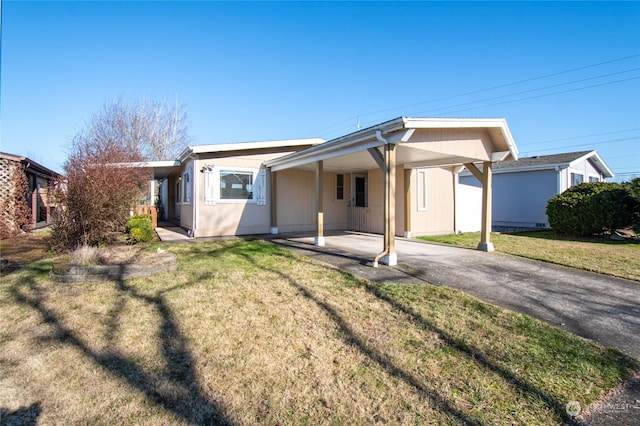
599 163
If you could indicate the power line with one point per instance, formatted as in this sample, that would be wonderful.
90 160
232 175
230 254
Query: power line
580 137
475 92
528 98
542 88
593 143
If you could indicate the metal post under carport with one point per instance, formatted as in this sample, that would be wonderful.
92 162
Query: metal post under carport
388 256
484 176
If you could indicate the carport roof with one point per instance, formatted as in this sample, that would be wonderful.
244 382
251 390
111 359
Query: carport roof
349 152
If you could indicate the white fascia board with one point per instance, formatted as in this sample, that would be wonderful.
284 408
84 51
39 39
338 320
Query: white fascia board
466 123
517 169
356 142
237 146
149 164
597 160
294 160
453 123
225 147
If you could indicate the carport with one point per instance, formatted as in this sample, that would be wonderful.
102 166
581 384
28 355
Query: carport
398 147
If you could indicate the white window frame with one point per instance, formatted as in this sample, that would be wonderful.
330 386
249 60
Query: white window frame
178 194
343 187
422 193
187 187
571 174
212 194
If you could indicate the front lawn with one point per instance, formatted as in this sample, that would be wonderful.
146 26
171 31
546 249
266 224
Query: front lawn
246 332
617 258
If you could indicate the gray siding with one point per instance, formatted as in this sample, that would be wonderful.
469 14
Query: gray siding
520 199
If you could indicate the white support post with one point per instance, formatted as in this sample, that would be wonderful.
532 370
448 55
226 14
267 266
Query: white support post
319 240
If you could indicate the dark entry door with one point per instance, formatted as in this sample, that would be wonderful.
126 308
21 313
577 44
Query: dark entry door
361 191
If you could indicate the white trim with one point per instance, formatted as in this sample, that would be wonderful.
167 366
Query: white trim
422 190
594 157
398 130
212 184
241 146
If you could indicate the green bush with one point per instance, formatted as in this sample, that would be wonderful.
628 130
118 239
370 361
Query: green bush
634 189
591 208
141 235
139 229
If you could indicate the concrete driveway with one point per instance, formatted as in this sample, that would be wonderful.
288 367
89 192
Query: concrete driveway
598 307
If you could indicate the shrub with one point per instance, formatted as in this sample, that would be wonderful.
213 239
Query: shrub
591 208
141 235
139 229
138 221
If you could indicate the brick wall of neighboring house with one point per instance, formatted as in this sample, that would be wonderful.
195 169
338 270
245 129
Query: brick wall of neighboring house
7 169
37 179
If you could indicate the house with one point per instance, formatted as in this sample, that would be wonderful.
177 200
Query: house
522 188
38 180
397 178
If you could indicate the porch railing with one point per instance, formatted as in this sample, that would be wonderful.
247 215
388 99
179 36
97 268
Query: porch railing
152 210
359 219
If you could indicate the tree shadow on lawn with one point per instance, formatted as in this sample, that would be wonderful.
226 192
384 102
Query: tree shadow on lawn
386 363
183 395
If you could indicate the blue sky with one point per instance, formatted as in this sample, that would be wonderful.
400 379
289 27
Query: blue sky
566 76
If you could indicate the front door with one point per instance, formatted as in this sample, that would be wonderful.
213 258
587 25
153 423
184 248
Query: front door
360 191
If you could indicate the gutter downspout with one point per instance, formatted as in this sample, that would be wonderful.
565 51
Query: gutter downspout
385 250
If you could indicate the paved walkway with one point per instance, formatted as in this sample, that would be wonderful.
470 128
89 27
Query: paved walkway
170 233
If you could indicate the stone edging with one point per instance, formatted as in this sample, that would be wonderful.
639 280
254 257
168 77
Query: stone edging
93 273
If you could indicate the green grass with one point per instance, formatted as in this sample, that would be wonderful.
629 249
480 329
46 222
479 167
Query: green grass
247 332
620 259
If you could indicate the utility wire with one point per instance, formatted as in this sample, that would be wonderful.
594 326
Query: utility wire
476 91
555 148
541 88
527 98
580 137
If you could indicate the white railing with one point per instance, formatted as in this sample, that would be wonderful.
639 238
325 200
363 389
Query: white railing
359 219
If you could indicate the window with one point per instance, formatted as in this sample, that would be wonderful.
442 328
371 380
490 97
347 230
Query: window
235 185
339 187
186 188
594 179
177 194
239 185
576 179
422 190
360 185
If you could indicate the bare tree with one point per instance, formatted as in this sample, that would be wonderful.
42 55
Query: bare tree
98 191
157 130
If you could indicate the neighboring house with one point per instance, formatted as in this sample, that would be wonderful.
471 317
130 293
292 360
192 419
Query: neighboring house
397 178
522 188
39 179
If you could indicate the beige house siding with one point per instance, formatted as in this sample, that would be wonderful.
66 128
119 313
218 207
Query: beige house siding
470 143
438 217
297 206
232 217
